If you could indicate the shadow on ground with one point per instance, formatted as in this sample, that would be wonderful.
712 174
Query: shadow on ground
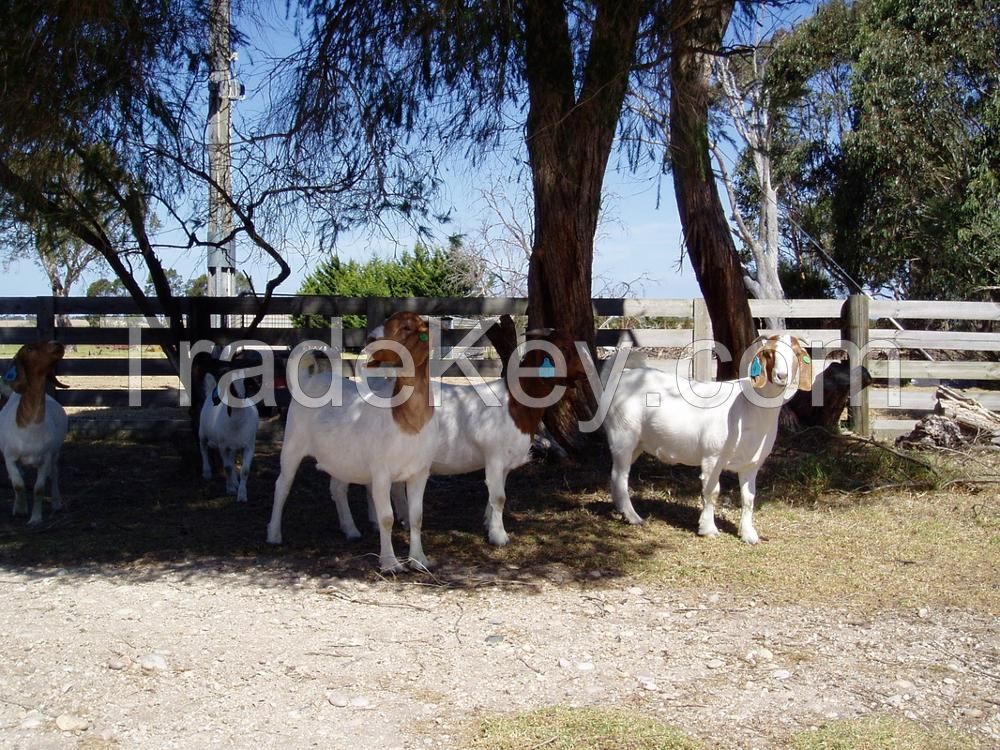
139 509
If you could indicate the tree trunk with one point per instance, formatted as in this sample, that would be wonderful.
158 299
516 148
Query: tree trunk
569 138
709 242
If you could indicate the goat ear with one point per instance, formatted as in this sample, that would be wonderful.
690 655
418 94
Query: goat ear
758 370
56 382
805 366
16 377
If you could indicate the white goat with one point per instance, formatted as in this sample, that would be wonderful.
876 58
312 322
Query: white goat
230 429
360 443
717 426
33 426
473 435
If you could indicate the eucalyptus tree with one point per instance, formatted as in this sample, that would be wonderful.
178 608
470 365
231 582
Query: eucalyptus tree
892 145
569 76
102 126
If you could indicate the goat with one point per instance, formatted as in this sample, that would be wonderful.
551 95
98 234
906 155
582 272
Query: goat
230 429
473 435
33 426
716 426
358 442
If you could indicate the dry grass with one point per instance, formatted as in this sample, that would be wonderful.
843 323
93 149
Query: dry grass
882 733
826 539
579 729
561 728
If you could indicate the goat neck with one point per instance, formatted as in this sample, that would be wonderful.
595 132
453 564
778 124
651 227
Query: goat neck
411 332
416 411
31 407
527 418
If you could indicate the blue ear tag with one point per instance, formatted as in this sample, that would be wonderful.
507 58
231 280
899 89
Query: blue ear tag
547 370
215 396
11 375
755 367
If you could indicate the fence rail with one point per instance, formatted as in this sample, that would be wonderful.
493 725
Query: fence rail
969 356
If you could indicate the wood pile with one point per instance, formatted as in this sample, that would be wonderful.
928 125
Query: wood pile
957 421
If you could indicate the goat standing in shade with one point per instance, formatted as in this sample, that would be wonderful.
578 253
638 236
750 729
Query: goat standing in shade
717 426
33 426
230 428
361 443
472 435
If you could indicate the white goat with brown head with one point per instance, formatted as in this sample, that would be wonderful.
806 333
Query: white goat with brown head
359 442
33 426
729 426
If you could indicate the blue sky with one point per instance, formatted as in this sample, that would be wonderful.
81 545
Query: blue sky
638 238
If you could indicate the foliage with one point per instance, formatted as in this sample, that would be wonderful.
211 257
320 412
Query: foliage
426 272
892 141
198 286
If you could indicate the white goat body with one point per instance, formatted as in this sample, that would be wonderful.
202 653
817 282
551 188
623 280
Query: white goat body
470 436
231 430
474 432
358 442
34 441
715 426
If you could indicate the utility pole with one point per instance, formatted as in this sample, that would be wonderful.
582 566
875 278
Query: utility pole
222 89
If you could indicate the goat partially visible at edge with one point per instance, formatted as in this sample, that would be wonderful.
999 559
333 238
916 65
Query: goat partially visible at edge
723 431
33 426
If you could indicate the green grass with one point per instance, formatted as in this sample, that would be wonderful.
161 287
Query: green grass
881 733
579 729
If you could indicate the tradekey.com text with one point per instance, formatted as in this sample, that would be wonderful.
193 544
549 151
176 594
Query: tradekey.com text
313 371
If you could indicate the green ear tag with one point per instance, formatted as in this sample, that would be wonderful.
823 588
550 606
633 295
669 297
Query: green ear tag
806 358
423 337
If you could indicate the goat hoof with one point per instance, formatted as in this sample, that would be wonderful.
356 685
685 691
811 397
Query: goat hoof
274 538
750 538
710 533
392 566
352 534
35 521
421 565
500 540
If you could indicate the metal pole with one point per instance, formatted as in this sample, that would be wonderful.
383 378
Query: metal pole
221 91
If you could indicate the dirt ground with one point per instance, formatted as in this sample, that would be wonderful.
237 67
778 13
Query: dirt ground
151 614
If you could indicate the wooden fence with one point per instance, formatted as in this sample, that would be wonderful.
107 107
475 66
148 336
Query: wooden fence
930 347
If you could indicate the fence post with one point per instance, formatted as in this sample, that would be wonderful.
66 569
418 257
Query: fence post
702 359
854 328
376 311
45 318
